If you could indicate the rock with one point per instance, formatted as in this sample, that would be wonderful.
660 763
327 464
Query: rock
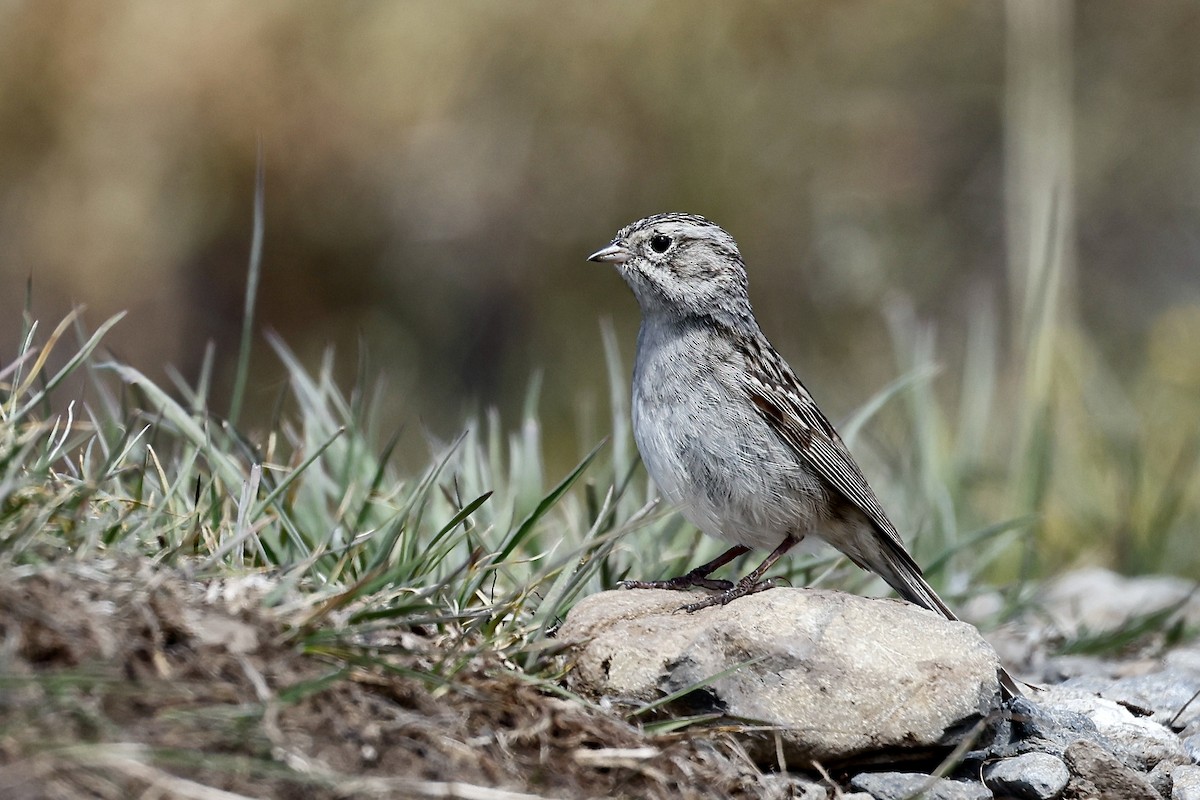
1167 694
1160 778
1097 773
1184 658
1185 783
1033 776
1191 744
841 675
1139 742
1035 727
903 785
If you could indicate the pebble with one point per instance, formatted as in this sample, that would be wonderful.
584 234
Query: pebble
1033 776
1185 781
903 785
1098 773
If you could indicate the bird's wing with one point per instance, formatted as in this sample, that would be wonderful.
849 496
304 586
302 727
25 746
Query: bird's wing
790 410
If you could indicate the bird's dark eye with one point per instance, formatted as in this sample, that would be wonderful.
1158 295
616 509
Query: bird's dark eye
660 243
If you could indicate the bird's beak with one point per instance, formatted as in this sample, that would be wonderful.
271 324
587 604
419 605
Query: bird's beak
615 253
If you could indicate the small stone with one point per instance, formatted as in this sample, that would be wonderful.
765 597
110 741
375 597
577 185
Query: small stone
1192 745
1033 776
1184 658
1095 772
1160 777
1185 782
903 785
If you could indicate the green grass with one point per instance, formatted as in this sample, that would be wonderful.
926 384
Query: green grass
480 545
483 545
132 465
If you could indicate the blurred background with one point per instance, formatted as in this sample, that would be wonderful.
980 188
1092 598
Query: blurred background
436 173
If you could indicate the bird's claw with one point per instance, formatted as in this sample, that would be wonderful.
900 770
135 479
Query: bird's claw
728 596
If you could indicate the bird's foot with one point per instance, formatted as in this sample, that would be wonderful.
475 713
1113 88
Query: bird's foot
740 589
689 581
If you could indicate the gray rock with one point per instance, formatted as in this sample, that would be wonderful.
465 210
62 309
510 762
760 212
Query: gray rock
1184 658
840 675
1139 742
1185 783
1167 694
1160 777
1095 772
1034 727
1191 744
1033 776
903 785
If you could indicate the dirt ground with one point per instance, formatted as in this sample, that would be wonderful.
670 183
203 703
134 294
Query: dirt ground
122 679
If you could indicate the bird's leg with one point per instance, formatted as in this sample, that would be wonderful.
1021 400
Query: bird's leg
697 577
748 585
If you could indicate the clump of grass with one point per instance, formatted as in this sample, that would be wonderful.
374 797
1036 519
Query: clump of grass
480 547
476 547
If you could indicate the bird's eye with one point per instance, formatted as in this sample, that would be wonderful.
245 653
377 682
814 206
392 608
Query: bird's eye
660 243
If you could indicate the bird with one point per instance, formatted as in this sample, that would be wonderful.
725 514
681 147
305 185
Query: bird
726 430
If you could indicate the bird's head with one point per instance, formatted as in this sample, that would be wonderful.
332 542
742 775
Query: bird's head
680 265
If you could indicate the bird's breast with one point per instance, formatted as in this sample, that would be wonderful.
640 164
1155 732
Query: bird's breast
706 447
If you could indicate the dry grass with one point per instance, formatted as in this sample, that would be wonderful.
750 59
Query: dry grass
125 678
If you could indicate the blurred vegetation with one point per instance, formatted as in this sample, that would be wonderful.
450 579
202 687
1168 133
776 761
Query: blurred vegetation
993 204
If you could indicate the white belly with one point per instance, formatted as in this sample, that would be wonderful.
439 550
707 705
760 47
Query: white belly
728 473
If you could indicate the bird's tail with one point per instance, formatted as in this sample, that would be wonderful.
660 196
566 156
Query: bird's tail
901 572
